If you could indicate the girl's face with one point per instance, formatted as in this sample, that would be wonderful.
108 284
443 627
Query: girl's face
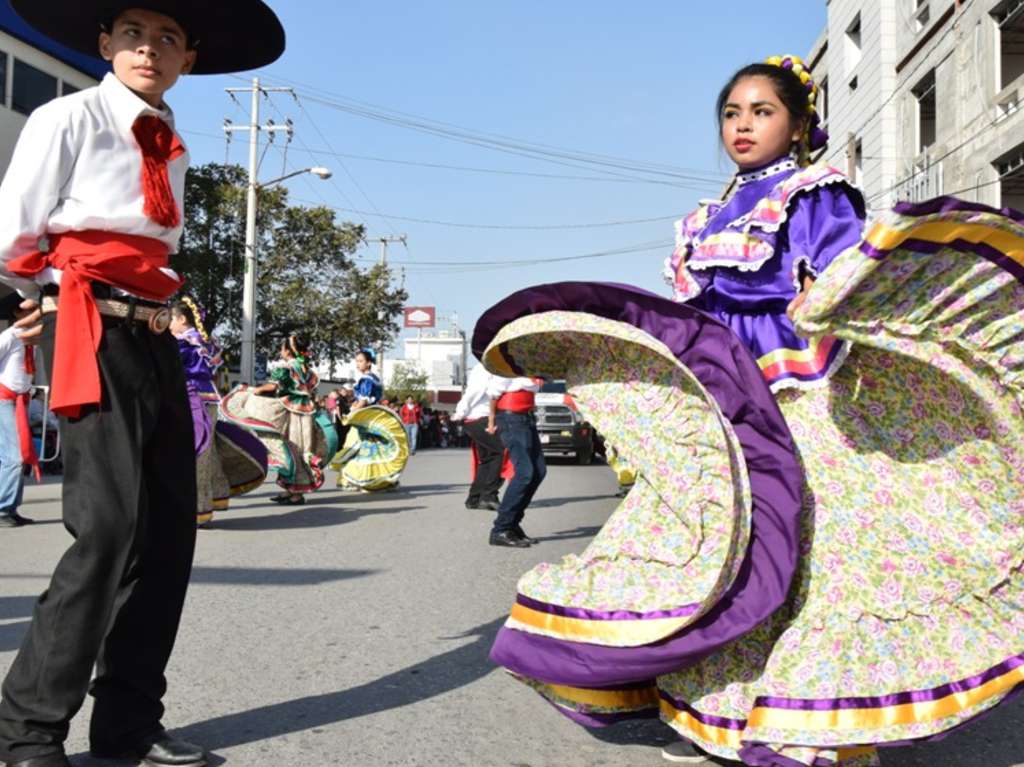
285 353
362 363
178 324
756 126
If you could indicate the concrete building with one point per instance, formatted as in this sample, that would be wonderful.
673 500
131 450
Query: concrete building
34 70
924 97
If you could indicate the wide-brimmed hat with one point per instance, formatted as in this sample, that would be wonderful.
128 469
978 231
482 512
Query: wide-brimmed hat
230 35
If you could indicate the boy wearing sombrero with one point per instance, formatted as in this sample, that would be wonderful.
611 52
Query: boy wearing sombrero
90 208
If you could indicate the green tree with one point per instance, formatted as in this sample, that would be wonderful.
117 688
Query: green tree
307 281
407 381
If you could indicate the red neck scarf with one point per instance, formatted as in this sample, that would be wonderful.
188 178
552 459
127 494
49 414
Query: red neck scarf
159 145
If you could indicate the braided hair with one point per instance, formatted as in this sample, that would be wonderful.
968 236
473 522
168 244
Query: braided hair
188 309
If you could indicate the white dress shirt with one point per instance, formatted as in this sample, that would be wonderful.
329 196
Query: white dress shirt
499 385
475 402
77 167
12 362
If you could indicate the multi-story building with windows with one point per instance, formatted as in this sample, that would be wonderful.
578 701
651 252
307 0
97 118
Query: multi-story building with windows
924 97
34 70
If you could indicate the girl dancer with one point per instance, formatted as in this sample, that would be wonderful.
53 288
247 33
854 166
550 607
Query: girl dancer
283 414
228 460
779 611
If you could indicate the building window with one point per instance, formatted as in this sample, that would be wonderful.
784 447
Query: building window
1009 18
924 95
1010 168
822 105
852 44
32 88
921 15
3 79
66 88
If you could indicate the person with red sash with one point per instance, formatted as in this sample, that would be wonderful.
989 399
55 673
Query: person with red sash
90 209
16 447
490 464
511 418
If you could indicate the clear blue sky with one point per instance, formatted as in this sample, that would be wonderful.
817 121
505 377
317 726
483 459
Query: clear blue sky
634 81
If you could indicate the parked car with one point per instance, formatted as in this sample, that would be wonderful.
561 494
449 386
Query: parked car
561 427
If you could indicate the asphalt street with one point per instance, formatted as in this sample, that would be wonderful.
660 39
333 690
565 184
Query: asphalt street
355 630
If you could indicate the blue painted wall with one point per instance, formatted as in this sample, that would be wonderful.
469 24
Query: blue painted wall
11 23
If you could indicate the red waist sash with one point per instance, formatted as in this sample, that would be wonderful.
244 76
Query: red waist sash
28 448
521 401
124 261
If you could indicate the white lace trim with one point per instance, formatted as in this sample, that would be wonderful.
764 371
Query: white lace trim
742 179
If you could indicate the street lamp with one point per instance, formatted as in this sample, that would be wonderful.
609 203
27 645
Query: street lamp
249 285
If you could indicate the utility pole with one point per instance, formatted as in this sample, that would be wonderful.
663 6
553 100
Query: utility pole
249 283
384 242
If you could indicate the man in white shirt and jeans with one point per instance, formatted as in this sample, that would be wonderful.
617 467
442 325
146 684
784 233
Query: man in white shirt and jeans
14 381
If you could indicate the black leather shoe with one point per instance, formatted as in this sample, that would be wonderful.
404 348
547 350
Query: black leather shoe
6 520
472 504
508 538
521 534
50 760
157 750
492 505
20 519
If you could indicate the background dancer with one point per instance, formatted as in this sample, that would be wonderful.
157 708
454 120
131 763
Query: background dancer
229 460
488 452
101 174
368 389
511 417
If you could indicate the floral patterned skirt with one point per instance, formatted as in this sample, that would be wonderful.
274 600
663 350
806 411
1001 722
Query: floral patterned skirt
298 445
905 615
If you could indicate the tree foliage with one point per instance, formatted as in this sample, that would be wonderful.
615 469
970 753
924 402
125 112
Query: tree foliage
407 381
307 280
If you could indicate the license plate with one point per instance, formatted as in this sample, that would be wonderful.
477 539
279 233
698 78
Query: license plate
545 439
566 433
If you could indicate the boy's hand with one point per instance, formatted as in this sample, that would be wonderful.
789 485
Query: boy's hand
29 320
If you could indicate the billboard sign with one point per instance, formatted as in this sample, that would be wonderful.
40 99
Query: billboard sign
420 316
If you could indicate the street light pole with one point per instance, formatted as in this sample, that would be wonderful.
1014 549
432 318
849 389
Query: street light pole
384 241
249 285
248 365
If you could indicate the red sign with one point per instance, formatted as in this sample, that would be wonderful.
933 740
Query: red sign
420 316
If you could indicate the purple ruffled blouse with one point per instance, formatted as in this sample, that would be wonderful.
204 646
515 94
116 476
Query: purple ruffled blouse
743 261
201 359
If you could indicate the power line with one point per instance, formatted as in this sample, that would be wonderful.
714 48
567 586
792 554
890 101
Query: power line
499 142
645 246
524 227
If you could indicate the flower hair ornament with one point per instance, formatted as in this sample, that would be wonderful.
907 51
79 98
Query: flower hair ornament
814 137
197 316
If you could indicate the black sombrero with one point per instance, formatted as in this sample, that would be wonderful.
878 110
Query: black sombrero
230 35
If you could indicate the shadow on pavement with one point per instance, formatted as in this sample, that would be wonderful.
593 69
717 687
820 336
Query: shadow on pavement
567 535
274 576
16 607
300 518
11 635
434 676
552 502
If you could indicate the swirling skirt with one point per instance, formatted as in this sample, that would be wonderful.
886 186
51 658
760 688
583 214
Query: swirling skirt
904 615
299 445
375 451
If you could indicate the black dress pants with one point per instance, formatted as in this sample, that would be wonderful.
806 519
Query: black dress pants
116 595
491 453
